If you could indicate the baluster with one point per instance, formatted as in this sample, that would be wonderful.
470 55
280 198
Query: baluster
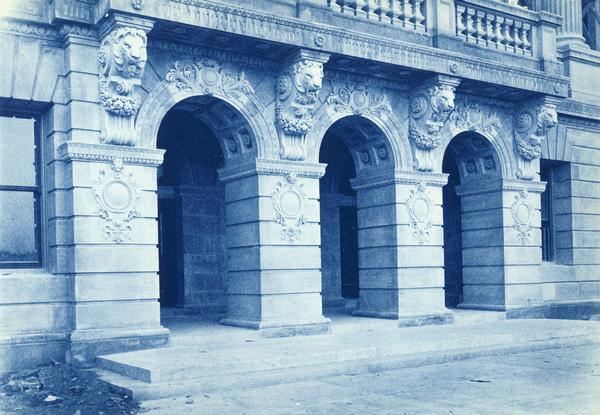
525 37
508 39
419 17
338 5
518 41
359 8
407 12
499 21
461 28
489 30
397 12
471 24
383 10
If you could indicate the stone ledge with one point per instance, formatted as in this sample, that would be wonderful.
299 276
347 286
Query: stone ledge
283 328
71 151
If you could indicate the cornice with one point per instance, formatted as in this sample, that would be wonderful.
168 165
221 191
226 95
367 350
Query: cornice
399 177
498 184
29 28
293 31
271 167
575 108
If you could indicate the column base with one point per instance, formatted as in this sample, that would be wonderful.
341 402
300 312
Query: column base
389 315
20 351
413 320
282 328
87 344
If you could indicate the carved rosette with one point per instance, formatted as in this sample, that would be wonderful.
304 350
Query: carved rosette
359 100
531 129
289 201
522 212
430 108
420 207
122 57
298 87
208 77
116 196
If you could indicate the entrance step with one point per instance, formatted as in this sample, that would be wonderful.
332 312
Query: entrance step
466 317
207 366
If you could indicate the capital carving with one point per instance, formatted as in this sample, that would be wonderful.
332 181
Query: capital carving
122 57
531 129
430 108
298 87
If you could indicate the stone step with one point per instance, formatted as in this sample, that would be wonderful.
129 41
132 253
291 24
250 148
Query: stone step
206 382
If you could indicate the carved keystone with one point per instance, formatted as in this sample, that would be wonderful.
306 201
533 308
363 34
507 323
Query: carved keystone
431 104
298 86
121 58
532 125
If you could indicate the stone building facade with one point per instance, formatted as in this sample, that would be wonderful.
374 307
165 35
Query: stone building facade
265 161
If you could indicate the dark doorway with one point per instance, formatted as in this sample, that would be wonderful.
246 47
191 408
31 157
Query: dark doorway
167 249
348 251
453 266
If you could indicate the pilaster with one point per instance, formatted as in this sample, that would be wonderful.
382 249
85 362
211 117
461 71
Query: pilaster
570 33
273 247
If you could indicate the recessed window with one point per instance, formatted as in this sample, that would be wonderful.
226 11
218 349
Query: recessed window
19 192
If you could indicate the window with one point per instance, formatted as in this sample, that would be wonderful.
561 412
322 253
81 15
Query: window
19 192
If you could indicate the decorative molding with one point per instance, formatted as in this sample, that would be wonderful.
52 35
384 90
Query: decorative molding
270 168
420 206
531 129
137 4
36 30
474 115
399 177
289 201
122 57
70 151
358 99
431 105
298 87
497 184
209 76
522 211
116 196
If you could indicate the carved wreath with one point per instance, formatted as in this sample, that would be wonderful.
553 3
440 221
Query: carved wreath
116 196
522 210
289 201
419 207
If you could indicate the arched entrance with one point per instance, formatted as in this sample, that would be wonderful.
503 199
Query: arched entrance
352 147
473 224
200 135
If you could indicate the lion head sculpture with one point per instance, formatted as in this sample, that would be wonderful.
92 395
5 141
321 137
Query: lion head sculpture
442 101
547 118
308 79
127 49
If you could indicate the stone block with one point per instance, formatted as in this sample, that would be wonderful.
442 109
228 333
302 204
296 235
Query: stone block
567 290
32 286
522 255
376 196
377 216
484 219
115 287
52 63
113 258
7 50
380 302
116 314
488 296
382 278
523 294
271 233
290 257
244 307
291 307
489 237
483 256
84 115
243 234
244 211
82 58
25 67
34 317
479 274
83 86
290 282
421 300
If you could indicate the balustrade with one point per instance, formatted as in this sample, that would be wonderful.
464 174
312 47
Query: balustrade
409 14
494 29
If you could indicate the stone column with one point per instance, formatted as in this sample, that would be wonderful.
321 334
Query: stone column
501 238
107 246
401 257
273 247
572 25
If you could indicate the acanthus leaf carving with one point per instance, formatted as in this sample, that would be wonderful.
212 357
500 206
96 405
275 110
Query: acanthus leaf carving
474 115
522 211
531 129
116 197
430 108
121 58
298 87
289 201
420 207
358 99
209 76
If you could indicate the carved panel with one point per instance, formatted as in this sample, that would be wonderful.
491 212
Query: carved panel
209 76
476 116
420 207
289 201
522 212
116 196
358 99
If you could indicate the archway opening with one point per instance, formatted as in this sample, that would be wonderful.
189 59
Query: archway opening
473 224
200 135
352 147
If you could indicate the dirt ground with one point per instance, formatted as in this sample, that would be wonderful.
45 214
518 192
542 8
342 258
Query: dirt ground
61 389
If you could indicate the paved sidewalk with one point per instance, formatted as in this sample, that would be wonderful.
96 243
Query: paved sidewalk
559 381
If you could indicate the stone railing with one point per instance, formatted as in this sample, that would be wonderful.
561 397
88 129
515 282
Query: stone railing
409 14
505 27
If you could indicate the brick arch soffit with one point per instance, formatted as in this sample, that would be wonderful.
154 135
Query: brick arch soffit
503 155
164 96
389 127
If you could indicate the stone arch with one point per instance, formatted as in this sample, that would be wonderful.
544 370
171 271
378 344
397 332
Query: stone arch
504 156
385 122
165 96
